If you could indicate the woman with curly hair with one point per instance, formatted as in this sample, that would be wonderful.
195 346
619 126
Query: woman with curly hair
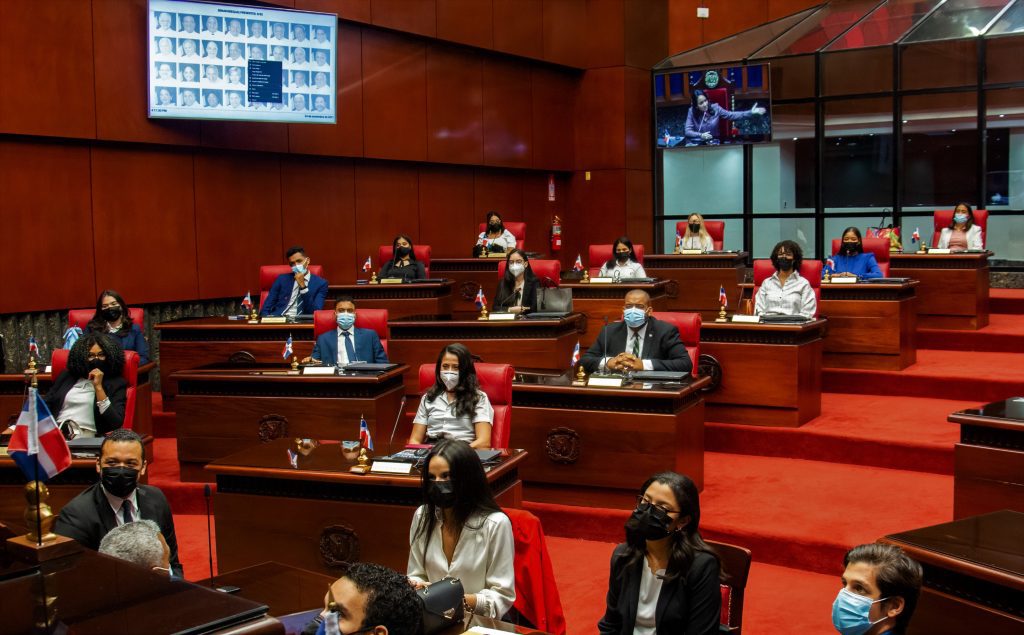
91 391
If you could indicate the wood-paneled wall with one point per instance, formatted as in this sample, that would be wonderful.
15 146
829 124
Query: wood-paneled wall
687 31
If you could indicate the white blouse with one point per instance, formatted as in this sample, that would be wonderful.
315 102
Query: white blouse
629 270
973 237
442 422
647 603
697 242
78 407
796 297
483 560
507 240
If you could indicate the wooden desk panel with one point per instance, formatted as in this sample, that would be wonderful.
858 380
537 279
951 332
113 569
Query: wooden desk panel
698 279
467 276
401 300
988 473
771 373
953 290
870 326
221 410
598 301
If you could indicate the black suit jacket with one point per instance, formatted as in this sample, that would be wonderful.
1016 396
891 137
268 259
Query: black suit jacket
88 517
505 296
116 389
661 345
412 271
688 605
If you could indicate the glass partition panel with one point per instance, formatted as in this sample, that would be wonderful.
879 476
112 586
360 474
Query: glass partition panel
1005 236
921 222
706 180
940 150
858 155
1004 122
792 77
958 18
834 226
732 239
812 34
1003 57
885 25
858 71
783 171
769 231
1010 22
939 64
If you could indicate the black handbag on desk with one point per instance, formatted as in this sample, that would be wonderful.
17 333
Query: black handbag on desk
442 605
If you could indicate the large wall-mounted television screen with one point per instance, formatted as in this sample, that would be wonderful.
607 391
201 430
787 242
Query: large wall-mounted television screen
712 106
223 61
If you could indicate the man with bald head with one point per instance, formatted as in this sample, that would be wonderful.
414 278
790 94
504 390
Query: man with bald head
638 342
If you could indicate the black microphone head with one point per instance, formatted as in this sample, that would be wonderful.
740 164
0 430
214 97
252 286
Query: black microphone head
206 490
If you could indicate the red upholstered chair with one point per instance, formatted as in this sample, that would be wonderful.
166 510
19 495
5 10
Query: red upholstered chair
81 317
518 230
716 229
735 567
600 254
496 381
374 319
269 273
689 331
810 269
544 270
877 246
59 361
720 96
422 253
944 217
537 596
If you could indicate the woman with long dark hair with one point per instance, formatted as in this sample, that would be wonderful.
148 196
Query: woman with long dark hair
403 263
517 290
623 261
852 260
664 578
454 407
495 237
962 234
461 532
112 318
91 391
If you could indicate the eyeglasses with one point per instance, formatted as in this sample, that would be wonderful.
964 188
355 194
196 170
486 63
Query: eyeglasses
643 504
94 356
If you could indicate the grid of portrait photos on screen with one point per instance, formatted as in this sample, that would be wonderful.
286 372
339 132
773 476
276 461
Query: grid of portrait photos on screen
200 53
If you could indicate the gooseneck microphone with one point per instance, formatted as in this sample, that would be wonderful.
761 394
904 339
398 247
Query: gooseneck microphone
604 343
209 530
401 409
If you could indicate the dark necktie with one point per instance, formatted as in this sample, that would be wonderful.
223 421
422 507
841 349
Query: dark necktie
350 350
636 343
126 510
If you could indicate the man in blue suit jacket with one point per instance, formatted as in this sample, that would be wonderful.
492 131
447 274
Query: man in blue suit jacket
331 347
298 292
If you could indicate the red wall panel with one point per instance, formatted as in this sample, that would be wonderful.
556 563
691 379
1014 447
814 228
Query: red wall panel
238 221
499 191
418 17
47 257
318 212
454 102
637 101
518 27
605 36
394 97
508 114
46 68
245 135
554 94
466 22
599 205
639 206
355 10
600 119
565 32
538 212
387 204
646 33
143 204
447 217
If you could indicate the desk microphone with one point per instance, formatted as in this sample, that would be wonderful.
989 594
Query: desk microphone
401 409
209 529
604 343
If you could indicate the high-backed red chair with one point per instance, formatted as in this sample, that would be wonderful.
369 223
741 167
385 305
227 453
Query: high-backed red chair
810 269
517 229
716 229
59 361
496 381
600 254
269 273
877 246
548 272
81 317
537 596
689 331
422 252
720 96
944 217
373 319
735 563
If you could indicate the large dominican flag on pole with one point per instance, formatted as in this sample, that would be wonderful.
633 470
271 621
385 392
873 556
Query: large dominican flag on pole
37 445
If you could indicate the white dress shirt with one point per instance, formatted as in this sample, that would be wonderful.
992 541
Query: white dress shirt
442 422
632 335
293 302
697 242
647 603
483 560
342 353
116 503
630 269
78 407
796 297
507 240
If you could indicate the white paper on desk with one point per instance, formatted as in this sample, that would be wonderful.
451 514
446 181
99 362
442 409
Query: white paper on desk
842 280
939 252
746 319
318 370
500 317
601 281
483 630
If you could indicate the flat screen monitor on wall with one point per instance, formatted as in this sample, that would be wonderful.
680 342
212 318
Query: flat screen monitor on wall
221 61
697 108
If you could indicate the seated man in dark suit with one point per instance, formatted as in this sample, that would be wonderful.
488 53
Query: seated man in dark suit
639 342
118 498
298 292
347 344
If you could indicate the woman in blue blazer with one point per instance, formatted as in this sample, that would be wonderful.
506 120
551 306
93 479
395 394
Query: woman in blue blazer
851 259
112 318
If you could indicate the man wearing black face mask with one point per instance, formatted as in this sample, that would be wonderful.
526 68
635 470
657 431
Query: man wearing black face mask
118 498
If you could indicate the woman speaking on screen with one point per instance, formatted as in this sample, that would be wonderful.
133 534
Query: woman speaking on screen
703 117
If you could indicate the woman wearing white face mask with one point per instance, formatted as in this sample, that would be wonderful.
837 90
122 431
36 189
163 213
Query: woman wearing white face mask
454 407
517 291
962 234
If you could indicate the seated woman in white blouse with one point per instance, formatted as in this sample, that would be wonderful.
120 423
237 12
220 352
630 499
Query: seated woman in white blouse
962 234
786 292
454 407
494 237
461 532
696 235
623 261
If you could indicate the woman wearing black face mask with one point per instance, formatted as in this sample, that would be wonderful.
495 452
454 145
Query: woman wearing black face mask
112 318
91 391
786 292
851 259
461 532
664 578
494 237
403 264
696 236
623 261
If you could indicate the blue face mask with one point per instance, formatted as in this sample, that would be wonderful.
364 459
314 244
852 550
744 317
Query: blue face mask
850 613
299 268
345 320
960 218
634 317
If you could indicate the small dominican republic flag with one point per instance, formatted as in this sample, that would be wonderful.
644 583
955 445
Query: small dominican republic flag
578 265
679 240
481 301
575 354
287 347
916 236
830 265
368 265
365 439
722 298
37 445
247 302
71 336
33 348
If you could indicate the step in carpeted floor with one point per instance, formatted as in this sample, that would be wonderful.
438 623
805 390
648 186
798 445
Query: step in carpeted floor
1006 301
1002 335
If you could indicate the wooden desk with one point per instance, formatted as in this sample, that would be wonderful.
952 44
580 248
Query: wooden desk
598 301
989 459
320 516
953 293
195 342
401 300
222 409
698 279
467 276
872 326
595 446
973 575
771 373
526 343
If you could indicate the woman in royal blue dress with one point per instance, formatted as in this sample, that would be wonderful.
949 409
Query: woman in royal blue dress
851 259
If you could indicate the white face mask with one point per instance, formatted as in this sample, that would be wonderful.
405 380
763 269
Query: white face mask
450 379
517 268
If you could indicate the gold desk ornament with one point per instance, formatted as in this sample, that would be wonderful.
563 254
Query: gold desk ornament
581 375
254 316
40 544
586 276
484 315
721 314
828 276
363 461
373 278
923 249
294 364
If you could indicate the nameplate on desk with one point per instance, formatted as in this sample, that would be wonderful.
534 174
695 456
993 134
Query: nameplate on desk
939 252
843 280
318 370
496 254
601 280
605 382
270 319
746 319
390 280
499 317
691 252
390 467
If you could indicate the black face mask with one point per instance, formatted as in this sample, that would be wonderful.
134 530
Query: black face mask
495 225
97 364
695 227
404 251
111 314
851 248
120 481
647 524
622 257
442 494
785 264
